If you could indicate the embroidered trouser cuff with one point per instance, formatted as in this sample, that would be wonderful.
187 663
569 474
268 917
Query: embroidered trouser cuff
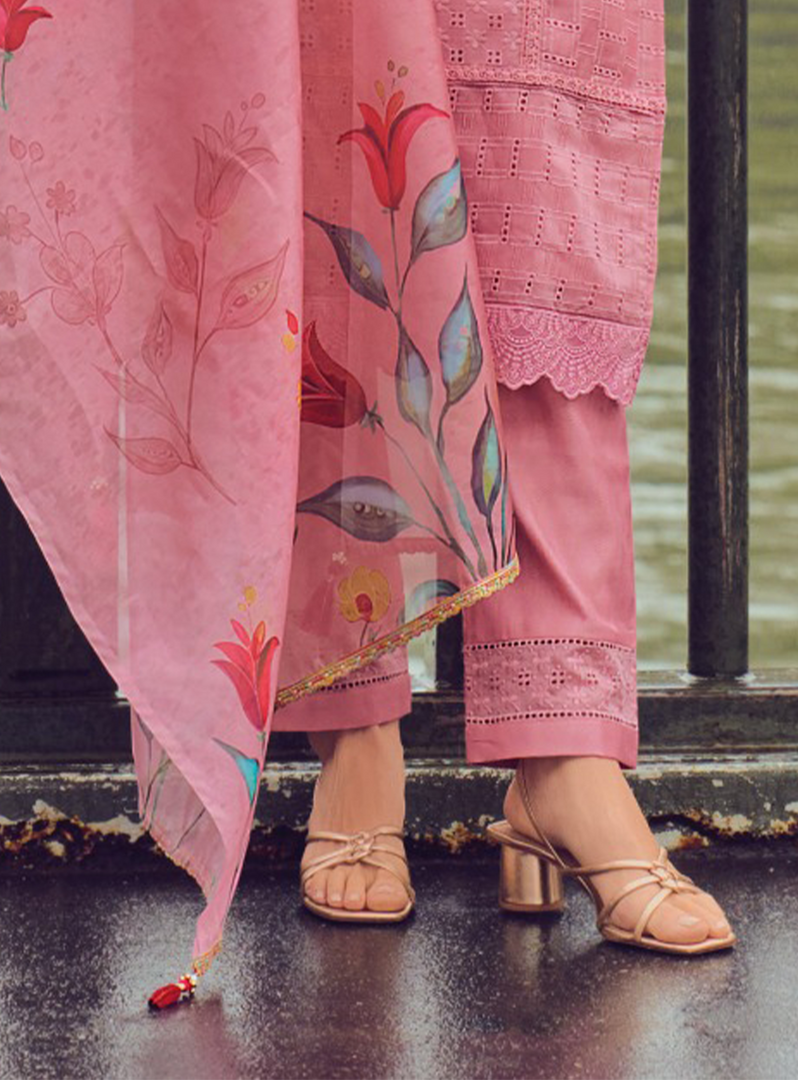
550 662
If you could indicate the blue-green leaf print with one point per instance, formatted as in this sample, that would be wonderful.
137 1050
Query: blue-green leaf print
440 217
358 260
247 766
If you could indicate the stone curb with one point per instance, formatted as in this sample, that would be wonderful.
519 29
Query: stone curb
87 815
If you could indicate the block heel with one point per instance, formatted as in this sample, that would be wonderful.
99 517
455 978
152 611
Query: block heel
528 883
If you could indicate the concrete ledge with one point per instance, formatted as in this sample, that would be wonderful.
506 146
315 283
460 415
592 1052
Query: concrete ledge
87 815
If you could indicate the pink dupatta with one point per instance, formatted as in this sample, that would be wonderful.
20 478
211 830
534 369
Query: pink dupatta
248 396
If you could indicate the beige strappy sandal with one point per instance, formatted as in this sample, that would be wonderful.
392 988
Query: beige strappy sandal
358 847
531 876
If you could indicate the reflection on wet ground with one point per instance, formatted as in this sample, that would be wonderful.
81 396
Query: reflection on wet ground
459 991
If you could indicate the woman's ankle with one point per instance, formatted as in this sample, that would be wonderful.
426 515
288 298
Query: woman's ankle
362 781
376 738
585 802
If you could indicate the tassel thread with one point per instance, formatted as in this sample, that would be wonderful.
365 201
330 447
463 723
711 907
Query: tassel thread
172 993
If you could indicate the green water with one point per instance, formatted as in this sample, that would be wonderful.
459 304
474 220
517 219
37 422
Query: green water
657 418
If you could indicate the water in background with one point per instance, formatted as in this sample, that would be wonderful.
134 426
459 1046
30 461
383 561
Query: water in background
658 415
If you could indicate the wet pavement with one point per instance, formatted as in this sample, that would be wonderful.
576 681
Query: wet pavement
459 991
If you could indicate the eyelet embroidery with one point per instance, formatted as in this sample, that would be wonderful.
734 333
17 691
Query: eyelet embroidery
547 678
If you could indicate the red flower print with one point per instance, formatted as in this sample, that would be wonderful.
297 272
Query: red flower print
249 667
11 309
331 396
223 160
289 337
61 199
15 23
385 142
14 225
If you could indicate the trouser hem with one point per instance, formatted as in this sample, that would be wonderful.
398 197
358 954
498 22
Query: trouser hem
349 705
504 742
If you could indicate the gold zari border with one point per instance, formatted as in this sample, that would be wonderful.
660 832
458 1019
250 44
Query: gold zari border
201 963
451 605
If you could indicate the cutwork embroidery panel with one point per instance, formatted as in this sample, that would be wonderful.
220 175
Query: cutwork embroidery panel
518 680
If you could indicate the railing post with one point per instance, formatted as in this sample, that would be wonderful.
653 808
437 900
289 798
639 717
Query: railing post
718 327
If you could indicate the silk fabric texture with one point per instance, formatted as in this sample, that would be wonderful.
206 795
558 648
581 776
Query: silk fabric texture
248 398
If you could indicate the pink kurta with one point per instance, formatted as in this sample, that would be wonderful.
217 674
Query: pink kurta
215 224
559 109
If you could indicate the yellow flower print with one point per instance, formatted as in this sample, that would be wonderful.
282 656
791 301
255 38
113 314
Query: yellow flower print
365 595
250 596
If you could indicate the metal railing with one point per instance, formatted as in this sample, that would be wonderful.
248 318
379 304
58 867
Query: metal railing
717 217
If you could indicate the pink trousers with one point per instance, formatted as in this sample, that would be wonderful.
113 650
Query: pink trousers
550 661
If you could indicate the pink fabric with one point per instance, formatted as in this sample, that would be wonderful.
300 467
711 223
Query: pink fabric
550 664
142 376
421 515
189 254
559 111
213 226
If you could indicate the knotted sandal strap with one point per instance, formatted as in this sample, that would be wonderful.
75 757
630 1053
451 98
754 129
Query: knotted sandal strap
677 873
357 848
660 872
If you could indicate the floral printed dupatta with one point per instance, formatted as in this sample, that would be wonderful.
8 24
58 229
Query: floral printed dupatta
247 401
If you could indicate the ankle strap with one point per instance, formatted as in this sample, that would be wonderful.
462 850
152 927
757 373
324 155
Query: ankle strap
533 820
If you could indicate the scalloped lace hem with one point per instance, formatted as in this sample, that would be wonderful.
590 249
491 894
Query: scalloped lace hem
577 353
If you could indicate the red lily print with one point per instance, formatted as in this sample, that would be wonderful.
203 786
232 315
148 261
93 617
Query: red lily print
385 142
331 396
14 25
249 667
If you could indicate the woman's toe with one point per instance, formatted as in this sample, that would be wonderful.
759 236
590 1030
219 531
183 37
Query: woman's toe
355 890
336 885
316 887
710 910
386 893
704 907
671 922
719 925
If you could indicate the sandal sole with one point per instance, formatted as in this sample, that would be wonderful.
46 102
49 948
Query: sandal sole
343 915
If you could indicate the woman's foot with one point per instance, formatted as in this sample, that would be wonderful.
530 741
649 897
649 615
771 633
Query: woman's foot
361 786
586 806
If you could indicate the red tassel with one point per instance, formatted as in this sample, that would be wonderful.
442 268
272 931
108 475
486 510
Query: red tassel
173 992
